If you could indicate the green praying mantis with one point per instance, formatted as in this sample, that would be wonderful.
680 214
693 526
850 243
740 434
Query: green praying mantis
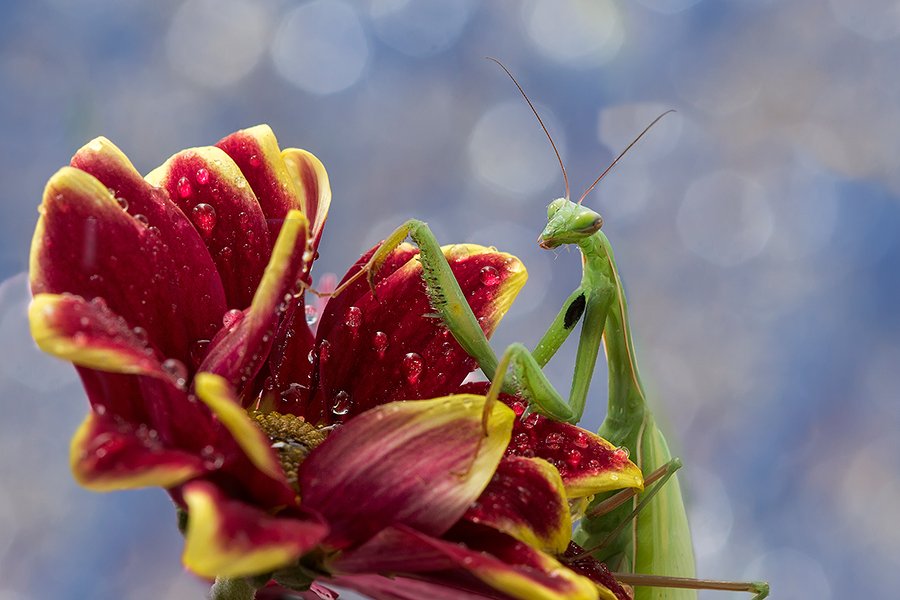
652 549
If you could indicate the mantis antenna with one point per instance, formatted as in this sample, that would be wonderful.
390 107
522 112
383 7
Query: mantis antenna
558 157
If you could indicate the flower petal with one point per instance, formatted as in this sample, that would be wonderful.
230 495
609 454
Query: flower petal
255 151
379 587
587 463
107 454
311 182
91 335
393 347
210 189
229 538
416 463
525 499
215 392
148 261
238 351
596 571
501 562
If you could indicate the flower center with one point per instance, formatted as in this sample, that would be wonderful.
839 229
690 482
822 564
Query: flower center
292 439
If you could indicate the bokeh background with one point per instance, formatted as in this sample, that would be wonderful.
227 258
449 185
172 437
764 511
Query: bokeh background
756 230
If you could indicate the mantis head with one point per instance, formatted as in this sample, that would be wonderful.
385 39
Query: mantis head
568 223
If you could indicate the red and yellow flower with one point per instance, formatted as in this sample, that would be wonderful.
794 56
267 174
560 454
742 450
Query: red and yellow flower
179 296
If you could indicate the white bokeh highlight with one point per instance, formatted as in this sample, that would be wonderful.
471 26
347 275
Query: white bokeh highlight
321 47
580 33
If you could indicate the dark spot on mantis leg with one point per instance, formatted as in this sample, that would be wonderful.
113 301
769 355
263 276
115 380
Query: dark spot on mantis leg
574 312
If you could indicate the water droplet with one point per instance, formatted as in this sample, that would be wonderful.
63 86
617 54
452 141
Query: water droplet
621 452
518 408
553 441
324 351
489 275
231 318
140 333
341 404
311 356
225 253
582 439
122 202
593 464
198 351
142 220
100 409
354 317
80 339
176 370
573 458
380 343
205 217
202 176
254 161
613 477
411 366
522 440
184 187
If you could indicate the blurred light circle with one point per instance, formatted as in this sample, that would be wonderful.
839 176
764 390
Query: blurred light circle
581 32
668 7
805 215
321 47
217 42
725 219
509 151
619 126
417 27
877 20
791 574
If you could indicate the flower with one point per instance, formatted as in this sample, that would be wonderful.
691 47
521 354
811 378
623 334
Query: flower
180 299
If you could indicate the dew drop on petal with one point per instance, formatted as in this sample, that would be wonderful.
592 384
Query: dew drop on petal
593 464
184 187
324 351
122 202
80 339
143 220
311 357
553 441
205 217
231 318
140 333
582 439
341 404
573 458
354 317
254 161
411 366
621 452
100 409
202 176
489 275
175 369
380 342
198 351
312 315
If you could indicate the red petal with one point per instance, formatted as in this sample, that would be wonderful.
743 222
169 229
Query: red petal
418 463
229 538
210 189
525 499
390 346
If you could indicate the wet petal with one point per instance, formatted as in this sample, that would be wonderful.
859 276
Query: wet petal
379 587
108 454
392 347
500 562
417 463
311 183
229 538
210 189
596 571
216 393
525 499
239 349
255 151
91 335
148 261
587 463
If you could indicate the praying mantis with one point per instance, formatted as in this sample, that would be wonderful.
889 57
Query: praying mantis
658 540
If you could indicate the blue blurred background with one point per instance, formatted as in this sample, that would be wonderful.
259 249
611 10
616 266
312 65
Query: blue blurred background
756 230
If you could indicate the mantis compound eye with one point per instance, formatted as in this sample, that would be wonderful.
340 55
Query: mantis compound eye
554 207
